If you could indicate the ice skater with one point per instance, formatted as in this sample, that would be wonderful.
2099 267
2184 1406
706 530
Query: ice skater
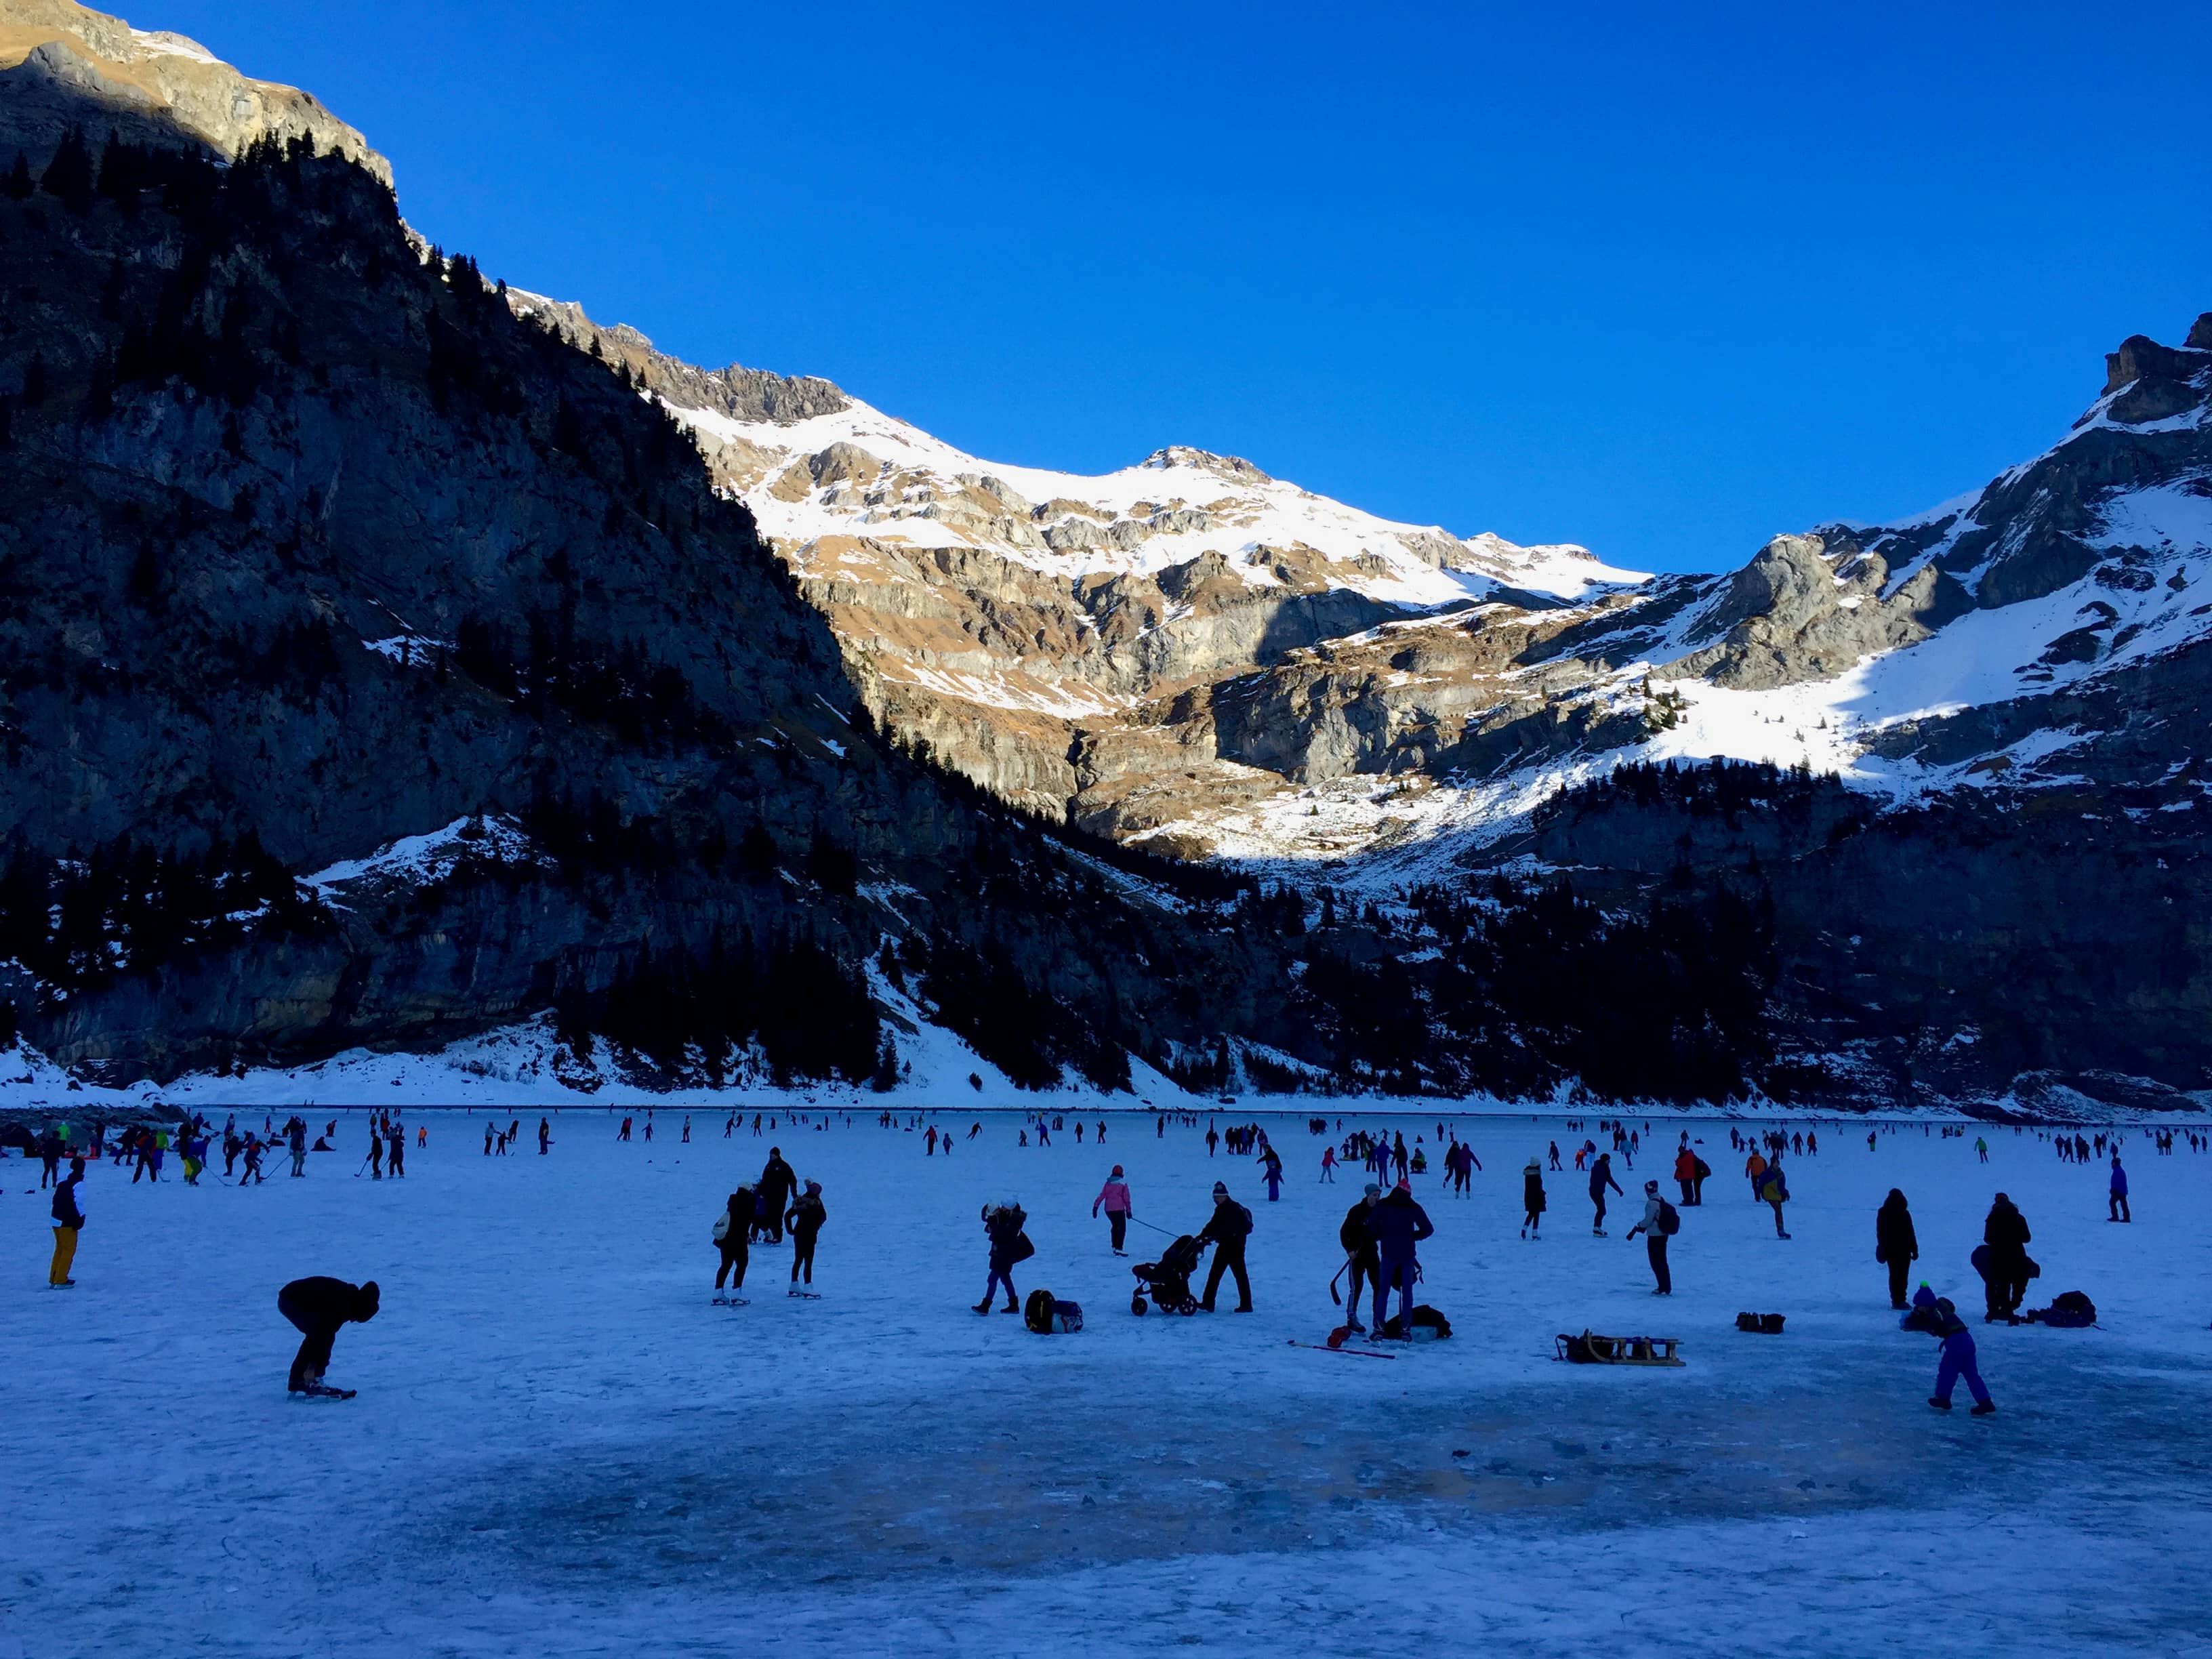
734 1232
1774 1191
2116 1205
804 1219
317 1308
1532 1194
1601 1177
1359 1254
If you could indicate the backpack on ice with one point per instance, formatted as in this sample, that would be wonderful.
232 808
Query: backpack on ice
1428 1325
1670 1220
1049 1316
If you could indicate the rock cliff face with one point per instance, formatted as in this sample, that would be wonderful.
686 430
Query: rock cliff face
63 65
378 666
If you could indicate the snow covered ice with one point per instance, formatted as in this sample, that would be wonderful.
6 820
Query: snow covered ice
561 1447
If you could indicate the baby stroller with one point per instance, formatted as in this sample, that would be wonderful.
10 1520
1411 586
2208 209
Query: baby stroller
1168 1279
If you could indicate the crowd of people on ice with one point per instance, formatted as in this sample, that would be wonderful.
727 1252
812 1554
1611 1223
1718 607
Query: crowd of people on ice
1380 1232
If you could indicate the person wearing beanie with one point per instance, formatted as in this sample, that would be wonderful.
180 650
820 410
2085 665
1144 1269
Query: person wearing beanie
317 1308
1115 1196
1601 1177
1896 1246
1226 1229
1398 1224
804 1219
1957 1361
1655 1241
69 1221
1366 1268
1532 1196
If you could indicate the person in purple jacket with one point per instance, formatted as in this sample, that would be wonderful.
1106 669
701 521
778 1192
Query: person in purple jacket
1958 1361
2117 1206
1114 1195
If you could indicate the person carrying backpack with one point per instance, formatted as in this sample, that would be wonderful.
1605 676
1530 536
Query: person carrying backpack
1895 1244
1002 1225
1226 1229
69 1222
1775 1191
734 1232
1661 1222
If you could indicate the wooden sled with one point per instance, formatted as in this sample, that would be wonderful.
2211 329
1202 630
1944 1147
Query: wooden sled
1589 1349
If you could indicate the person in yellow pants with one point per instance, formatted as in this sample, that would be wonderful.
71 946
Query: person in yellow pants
69 1221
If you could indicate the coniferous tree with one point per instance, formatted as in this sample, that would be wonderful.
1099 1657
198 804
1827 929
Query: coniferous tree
69 176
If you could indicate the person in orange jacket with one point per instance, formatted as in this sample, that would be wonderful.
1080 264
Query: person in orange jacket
1754 1166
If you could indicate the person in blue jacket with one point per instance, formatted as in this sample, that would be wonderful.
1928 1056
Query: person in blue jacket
1398 1225
2117 1208
1958 1361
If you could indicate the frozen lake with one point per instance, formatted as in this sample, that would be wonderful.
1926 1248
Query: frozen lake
561 1447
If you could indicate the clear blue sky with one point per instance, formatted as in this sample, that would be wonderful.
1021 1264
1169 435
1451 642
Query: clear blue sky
1663 284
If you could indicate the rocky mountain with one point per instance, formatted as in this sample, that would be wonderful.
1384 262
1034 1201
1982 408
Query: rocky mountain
391 658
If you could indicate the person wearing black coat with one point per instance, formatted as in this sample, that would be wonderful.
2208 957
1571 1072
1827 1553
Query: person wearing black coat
1600 1178
806 1221
1532 1199
735 1242
317 1307
69 1222
1895 1244
777 1183
1230 1225
1359 1254
1002 1224
2005 1233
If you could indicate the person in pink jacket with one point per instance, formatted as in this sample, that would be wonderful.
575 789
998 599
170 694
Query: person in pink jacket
1114 1197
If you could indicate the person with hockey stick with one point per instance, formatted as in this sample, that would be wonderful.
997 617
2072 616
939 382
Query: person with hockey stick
1364 1265
317 1307
1398 1225
1655 1230
805 1220
1226 1229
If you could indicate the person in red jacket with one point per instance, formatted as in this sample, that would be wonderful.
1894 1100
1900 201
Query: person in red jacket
1686 1172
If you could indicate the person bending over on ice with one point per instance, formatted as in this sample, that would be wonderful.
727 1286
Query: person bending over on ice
1958 1361
1896 1246
317 1307
1002 1224
1398 1224
1600 1178
733 1232
805 1221
1227 1228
